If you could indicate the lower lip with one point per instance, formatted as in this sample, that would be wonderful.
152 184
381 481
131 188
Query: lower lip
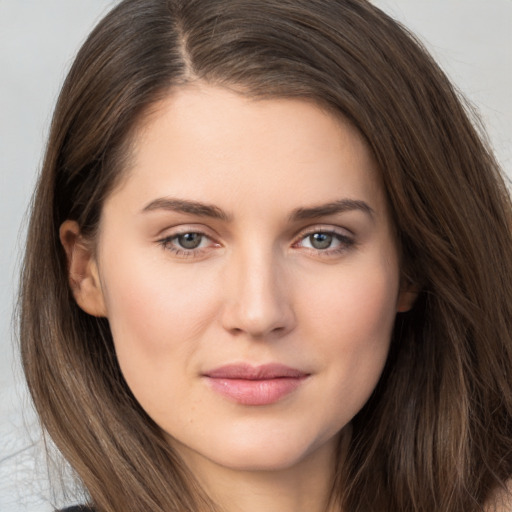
255 392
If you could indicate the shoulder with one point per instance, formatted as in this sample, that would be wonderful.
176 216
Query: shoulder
501 499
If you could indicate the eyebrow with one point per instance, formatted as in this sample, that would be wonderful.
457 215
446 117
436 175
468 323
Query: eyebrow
212 211
323 210
186 206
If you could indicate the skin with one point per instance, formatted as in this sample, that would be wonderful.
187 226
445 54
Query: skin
258 289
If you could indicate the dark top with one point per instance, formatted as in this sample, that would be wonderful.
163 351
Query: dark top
77 508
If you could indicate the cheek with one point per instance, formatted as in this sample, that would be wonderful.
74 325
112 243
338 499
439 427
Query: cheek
155 310
158 316
359 304
352 321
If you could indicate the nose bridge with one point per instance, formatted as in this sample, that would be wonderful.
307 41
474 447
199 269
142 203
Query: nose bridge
258 300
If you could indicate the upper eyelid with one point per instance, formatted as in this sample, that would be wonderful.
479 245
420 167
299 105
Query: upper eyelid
173 236
181 229
324 228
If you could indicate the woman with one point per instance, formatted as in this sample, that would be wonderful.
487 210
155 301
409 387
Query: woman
268 268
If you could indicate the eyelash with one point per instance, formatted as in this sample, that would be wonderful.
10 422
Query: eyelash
167 244
345 243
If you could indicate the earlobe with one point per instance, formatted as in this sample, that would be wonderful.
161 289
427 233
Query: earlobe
82 270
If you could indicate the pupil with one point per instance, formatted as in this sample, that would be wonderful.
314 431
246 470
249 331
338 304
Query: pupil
320 240
190 240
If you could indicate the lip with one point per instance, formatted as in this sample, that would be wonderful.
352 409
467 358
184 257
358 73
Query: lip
255 385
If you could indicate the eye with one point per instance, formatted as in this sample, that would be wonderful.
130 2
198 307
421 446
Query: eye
325 242
188 244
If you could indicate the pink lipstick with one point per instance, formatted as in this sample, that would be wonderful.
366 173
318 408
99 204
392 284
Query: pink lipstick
255 385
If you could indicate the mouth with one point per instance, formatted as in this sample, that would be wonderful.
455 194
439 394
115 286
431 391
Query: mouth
255 385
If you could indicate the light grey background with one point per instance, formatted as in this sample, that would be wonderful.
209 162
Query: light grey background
472 39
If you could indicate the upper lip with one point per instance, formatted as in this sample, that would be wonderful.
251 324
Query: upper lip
250 372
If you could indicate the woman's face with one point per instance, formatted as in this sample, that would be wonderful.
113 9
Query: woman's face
249 273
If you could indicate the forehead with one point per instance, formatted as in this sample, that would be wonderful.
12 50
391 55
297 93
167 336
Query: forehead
203 142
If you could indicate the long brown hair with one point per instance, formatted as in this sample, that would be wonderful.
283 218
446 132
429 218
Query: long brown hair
436 433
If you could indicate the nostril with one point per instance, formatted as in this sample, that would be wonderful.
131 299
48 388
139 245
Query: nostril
259 330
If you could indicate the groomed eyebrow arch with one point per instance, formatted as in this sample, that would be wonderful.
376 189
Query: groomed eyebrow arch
187 206
332 208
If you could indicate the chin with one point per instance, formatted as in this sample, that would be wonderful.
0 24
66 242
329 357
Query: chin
261 459
273 453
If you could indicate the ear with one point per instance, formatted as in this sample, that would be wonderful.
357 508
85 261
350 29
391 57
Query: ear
82 269
407 296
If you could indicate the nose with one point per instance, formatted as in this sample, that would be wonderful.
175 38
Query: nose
258 300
